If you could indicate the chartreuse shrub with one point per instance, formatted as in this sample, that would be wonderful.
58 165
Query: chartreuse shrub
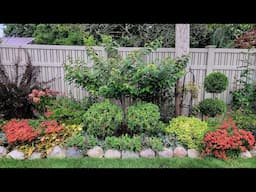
102 119
188 130
215 82
124 142
212 107
143 118
245 121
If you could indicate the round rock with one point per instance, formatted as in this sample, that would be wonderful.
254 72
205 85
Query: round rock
15 154
180 152
3 151
147 153
73 152
112 154
192 153
57 152
36 155
245 154
167 152
129 155
95 152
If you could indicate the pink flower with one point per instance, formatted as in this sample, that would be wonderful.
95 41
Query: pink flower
35 92
41 93
36 100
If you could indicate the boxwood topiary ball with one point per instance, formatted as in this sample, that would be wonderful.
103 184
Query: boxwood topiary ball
212 107
215 82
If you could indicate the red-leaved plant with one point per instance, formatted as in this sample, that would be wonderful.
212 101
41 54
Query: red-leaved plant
227 139
19 131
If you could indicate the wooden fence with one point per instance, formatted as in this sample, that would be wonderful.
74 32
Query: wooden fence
50 59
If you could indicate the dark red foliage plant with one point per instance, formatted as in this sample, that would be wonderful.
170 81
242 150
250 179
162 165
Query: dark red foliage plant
227 140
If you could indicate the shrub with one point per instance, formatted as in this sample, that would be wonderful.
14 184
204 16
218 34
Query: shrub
42 98
15 88
215 82
91 141
3 139
212 107
20 131
143 118
77 140
69 110
227 141
103 119
154 143
245 121
188 130
124 142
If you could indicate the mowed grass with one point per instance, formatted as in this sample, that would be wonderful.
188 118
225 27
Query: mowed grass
128 163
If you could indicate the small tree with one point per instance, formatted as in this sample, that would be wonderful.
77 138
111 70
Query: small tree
125 78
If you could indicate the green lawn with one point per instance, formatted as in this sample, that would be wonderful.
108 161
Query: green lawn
131 163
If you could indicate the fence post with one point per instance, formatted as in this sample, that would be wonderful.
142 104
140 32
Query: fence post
209 64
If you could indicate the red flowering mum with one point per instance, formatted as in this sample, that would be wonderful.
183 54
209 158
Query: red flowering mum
227 138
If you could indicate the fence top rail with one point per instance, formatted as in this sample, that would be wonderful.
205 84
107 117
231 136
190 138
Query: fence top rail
83 48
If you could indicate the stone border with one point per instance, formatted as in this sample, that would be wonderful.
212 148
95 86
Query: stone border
98 152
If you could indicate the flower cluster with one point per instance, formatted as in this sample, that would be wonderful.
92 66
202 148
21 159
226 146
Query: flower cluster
37 95
48 113
227 138
51 126
19 131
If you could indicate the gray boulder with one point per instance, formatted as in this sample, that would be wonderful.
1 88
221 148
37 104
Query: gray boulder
111 154
57 152
15 154
192 153
96 152
36 155
3 151
73 152
129 155
147 153
167 152
180 152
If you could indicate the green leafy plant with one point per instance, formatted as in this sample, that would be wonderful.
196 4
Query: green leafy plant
154 143
143 118
215 82
125 78
193 89
70 111
77 140
102 119
212 107
124 143
188 130
244 96
90 141
245 121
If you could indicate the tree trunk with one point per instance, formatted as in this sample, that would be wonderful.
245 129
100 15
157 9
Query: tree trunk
181 48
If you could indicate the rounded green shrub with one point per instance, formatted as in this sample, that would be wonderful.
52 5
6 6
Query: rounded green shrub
245 121
215 82
102 119
189 131
144 118
212 107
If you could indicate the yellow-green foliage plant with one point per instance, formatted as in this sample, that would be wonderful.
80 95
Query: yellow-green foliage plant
188 130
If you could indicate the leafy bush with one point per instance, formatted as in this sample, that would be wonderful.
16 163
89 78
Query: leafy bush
143 118
90 141
215 82
77 140
19 131
3 139
245 121
124 142
227 141
213 123
102 119
188 130
69 110
154 143
247 39
212 107
169 140
41 99
14 91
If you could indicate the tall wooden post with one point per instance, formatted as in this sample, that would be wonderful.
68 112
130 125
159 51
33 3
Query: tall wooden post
181 48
